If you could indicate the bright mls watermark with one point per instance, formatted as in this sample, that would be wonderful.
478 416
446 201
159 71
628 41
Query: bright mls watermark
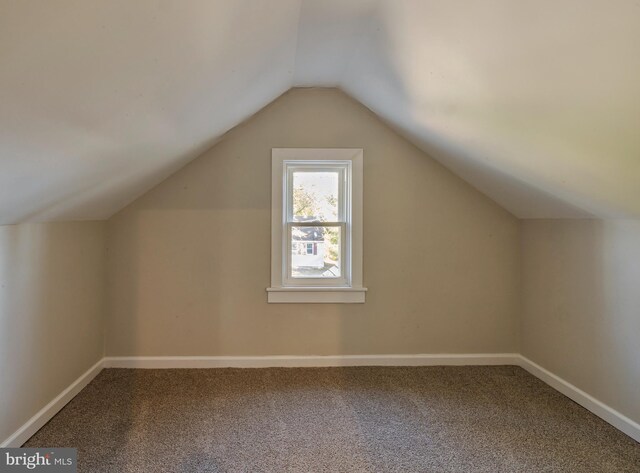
58 460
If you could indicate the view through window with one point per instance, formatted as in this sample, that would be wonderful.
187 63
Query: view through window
316 250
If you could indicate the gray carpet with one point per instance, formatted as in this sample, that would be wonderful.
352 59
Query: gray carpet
435 419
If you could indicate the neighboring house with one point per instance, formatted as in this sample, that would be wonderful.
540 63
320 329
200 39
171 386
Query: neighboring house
307 247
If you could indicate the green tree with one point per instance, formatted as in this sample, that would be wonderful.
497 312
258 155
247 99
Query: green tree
331 237
305 204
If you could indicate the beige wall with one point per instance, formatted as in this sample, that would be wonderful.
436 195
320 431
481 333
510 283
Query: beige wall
52 280
189 261
581 305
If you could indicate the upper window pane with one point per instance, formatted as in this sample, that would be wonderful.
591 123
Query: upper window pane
315 196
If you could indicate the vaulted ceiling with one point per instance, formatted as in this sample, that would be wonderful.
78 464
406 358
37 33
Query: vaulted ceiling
534 102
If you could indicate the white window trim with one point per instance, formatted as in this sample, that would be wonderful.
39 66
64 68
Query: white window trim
349 291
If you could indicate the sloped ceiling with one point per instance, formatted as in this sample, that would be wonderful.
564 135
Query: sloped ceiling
534 102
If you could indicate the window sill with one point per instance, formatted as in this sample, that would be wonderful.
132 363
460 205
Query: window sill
316 295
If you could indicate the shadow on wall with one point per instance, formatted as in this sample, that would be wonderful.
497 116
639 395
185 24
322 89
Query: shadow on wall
18 258
51 313
581 316
622 301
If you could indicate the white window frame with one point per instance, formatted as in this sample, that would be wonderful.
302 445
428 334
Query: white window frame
348 287
343 168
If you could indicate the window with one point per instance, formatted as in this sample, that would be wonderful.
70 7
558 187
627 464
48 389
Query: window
316 234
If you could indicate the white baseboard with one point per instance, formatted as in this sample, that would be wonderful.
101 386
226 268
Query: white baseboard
158 362
608 414
43 416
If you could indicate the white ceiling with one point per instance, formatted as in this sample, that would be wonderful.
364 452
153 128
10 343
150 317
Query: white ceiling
534 102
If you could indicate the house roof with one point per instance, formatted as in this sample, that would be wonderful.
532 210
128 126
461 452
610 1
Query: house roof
536 102
309 234
304 233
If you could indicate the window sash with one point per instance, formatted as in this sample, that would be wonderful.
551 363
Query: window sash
343 168
344 172
291 281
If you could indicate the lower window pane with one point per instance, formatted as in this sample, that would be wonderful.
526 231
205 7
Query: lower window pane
315 252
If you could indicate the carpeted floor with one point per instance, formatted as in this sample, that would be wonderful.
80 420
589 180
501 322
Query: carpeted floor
435 419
